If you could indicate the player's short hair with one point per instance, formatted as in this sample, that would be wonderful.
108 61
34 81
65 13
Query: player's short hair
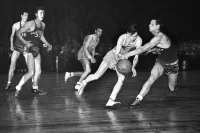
39 8
132 28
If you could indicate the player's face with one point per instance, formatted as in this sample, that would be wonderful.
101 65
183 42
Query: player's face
99 32
40 14
24 16
153 26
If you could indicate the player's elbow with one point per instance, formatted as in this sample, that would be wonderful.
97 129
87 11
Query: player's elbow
141 50
11 36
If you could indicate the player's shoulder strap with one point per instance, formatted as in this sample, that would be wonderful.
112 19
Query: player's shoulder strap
124 41
17 25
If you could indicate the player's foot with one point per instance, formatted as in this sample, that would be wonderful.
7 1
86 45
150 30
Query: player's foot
78 84
111 104
135 104
16 94
8 86
67 76
81 88
176 88
37 91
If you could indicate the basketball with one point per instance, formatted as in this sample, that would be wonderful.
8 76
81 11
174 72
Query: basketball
124 66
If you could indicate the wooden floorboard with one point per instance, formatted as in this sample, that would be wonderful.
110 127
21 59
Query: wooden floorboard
61 110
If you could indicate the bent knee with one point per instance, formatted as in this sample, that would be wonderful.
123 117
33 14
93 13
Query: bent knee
38 72
30 73
88 71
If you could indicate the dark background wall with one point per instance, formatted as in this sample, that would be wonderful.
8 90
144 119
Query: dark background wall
69 21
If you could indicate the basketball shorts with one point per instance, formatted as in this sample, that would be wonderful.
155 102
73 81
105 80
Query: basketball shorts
171 68
34 50
19 47
110 59
81 55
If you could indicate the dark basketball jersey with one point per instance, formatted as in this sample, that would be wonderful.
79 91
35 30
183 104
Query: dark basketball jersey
34 38
168 55
19 45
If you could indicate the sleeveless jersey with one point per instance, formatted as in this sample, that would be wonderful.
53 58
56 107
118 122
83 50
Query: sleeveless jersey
19 45
91 45
127 46
34 38
168 55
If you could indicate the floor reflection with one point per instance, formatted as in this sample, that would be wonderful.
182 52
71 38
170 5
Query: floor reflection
115 122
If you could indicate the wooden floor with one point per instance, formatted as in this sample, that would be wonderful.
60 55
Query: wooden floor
61 111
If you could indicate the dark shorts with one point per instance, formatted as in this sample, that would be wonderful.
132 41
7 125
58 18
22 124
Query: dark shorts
171 68
34 50
19 47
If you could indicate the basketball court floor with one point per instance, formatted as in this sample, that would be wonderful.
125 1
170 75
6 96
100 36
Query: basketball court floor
61 110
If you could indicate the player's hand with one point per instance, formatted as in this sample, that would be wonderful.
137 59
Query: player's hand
146 52
49 47
124 57
96 54
93 60
134 72
28 44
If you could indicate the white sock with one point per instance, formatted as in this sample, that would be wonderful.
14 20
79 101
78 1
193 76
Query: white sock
111 99
78 83
84 83
139 97
18 87
35 87
71 74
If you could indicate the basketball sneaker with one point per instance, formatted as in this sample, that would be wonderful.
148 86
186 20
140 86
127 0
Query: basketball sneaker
16 93
81 88
8 86
67 76
78 84
111 104
135 104
37 91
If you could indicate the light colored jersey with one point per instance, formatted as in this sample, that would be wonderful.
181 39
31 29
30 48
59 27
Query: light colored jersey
127 45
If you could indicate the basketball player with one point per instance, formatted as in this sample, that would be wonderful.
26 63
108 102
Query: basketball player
85 56
17 47
125 43
167 61
34 30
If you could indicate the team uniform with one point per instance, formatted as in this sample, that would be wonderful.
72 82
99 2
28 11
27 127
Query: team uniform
34 38
110 57
81 53
169 60
19 45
